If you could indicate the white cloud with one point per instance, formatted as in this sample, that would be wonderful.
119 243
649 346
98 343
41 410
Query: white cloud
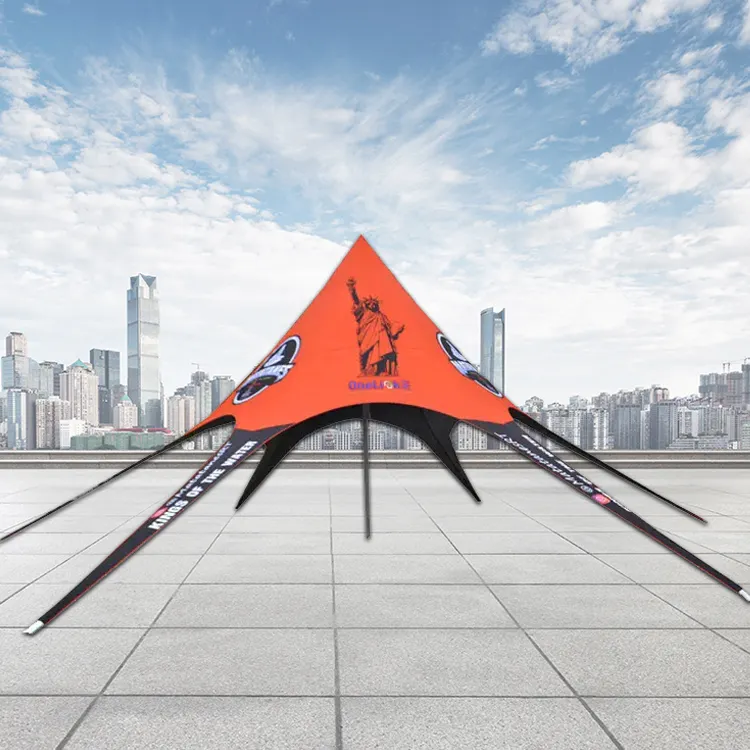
671 90
553 81
96 196
745 30
661 161
584 31
714 22
32 10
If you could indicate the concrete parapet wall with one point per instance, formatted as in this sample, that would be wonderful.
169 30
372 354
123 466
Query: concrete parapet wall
178 459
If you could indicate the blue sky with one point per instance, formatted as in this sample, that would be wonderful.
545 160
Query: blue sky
585 165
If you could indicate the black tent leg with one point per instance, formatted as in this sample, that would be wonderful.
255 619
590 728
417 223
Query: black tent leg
366 465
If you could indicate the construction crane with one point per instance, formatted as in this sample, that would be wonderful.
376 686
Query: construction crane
198 367
727 365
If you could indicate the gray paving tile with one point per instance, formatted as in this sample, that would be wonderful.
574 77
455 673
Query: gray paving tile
646 663
548 569
719 541
189 723
250 606
658 723
484 524
83 660
584 606
513 543
392 544
711 604
543 505
190 524
469 509
92 524
443 662
37 723
279 525
48 544
476 723
739 637
262 569
403 569
628 542
680 524
161 544
378 508
658 568
107 605
140 568
602 521
8 589
229 662
390 524
272 544
20 568
413 606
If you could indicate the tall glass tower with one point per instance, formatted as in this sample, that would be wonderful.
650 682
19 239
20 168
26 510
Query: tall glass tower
106 365
492 347
144 377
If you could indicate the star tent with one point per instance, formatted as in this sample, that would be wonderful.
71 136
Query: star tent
362 350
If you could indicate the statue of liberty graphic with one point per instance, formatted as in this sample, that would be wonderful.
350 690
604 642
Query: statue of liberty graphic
376 335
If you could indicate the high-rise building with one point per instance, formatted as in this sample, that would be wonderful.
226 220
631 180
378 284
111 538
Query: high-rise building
144 375
21 413
125 414
626 427
662 425
492 347
49 412
49 378
746 385
106 364
221 388
180 414
713 386
16 344
688 422
658 393
79 385
580 428
601 437
19 371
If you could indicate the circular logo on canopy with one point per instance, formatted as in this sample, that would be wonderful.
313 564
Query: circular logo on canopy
274 368
464 366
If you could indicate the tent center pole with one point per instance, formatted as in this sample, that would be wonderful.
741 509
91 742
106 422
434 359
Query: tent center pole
366 465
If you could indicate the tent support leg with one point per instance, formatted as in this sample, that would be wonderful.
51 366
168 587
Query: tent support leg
366 465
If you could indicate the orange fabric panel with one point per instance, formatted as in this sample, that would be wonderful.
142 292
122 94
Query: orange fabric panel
363 339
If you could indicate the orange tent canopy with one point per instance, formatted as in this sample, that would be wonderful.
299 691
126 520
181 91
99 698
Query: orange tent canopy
363 339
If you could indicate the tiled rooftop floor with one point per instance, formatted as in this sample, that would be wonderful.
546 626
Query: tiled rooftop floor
535 620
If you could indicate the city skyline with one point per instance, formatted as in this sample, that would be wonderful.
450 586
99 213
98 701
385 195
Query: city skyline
711 382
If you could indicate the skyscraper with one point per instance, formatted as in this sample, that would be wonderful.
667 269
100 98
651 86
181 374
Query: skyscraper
492 347
15 343
144 377
49 412
125 414
79 385
21 413
662 425
49 379
106 365
17 369
221 388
